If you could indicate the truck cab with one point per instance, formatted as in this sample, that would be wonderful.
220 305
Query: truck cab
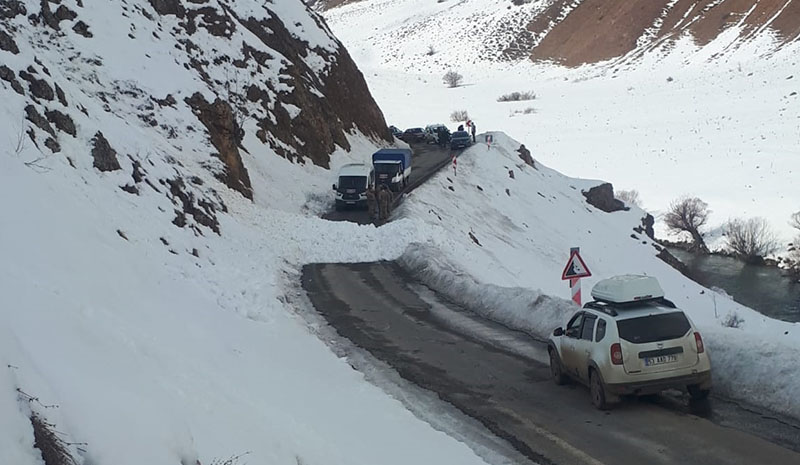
352 183
392 167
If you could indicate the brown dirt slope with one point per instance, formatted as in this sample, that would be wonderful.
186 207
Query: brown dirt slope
598 30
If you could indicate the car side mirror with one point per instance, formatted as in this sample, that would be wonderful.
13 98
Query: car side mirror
334 187
558 332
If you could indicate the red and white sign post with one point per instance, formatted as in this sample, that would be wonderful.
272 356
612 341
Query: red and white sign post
453 156
575 270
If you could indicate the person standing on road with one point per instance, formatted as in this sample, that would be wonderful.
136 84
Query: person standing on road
372 202
444 136
473 131
384 202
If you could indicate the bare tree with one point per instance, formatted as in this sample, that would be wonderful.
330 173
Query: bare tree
458 116
452 79
751 239
630 197
794 247
795 220
689 214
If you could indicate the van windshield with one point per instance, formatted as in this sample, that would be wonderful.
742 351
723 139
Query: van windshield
353 182
654 328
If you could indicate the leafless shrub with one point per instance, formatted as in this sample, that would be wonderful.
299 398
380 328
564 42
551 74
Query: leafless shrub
732 320
517 96
751 239
452 79
689 214
232 460
630 197
459 115
526 111
235 96
431 51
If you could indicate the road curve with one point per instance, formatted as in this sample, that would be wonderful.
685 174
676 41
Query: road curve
379 307
425 162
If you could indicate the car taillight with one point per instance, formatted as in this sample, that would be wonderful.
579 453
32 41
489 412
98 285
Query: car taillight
699 341
616 354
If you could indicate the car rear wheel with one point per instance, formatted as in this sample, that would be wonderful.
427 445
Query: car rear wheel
696 393
598 391
555 369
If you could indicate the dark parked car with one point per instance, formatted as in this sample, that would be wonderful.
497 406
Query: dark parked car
396 132
414 135
460 139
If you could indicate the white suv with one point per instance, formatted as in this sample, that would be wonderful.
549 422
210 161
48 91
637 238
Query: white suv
630 341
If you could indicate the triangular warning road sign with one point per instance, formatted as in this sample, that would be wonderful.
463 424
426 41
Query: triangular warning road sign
576 268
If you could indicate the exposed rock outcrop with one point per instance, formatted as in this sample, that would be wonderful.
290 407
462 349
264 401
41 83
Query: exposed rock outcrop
32 115
7 43
169 7
12 8
105 157
39 87
62 121
224 132
602 197
597 30
7 74
323 121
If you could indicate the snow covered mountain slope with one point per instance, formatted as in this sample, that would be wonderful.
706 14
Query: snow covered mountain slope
716 121
574 32
501 236
143 295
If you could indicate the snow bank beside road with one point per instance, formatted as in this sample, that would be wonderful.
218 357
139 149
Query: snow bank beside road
520 308
499 244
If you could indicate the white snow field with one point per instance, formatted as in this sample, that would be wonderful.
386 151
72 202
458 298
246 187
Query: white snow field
718 122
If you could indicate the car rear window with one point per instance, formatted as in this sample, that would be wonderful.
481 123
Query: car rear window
654 328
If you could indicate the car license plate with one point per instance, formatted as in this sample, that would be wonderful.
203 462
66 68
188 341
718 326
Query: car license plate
650 361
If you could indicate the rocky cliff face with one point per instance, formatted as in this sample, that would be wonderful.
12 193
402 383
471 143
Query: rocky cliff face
574 32
167 90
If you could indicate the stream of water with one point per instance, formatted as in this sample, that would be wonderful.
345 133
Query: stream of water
763 288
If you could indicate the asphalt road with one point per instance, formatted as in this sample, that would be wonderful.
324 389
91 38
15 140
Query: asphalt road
380 308
426 160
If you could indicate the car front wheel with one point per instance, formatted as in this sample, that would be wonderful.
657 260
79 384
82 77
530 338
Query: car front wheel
555 369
